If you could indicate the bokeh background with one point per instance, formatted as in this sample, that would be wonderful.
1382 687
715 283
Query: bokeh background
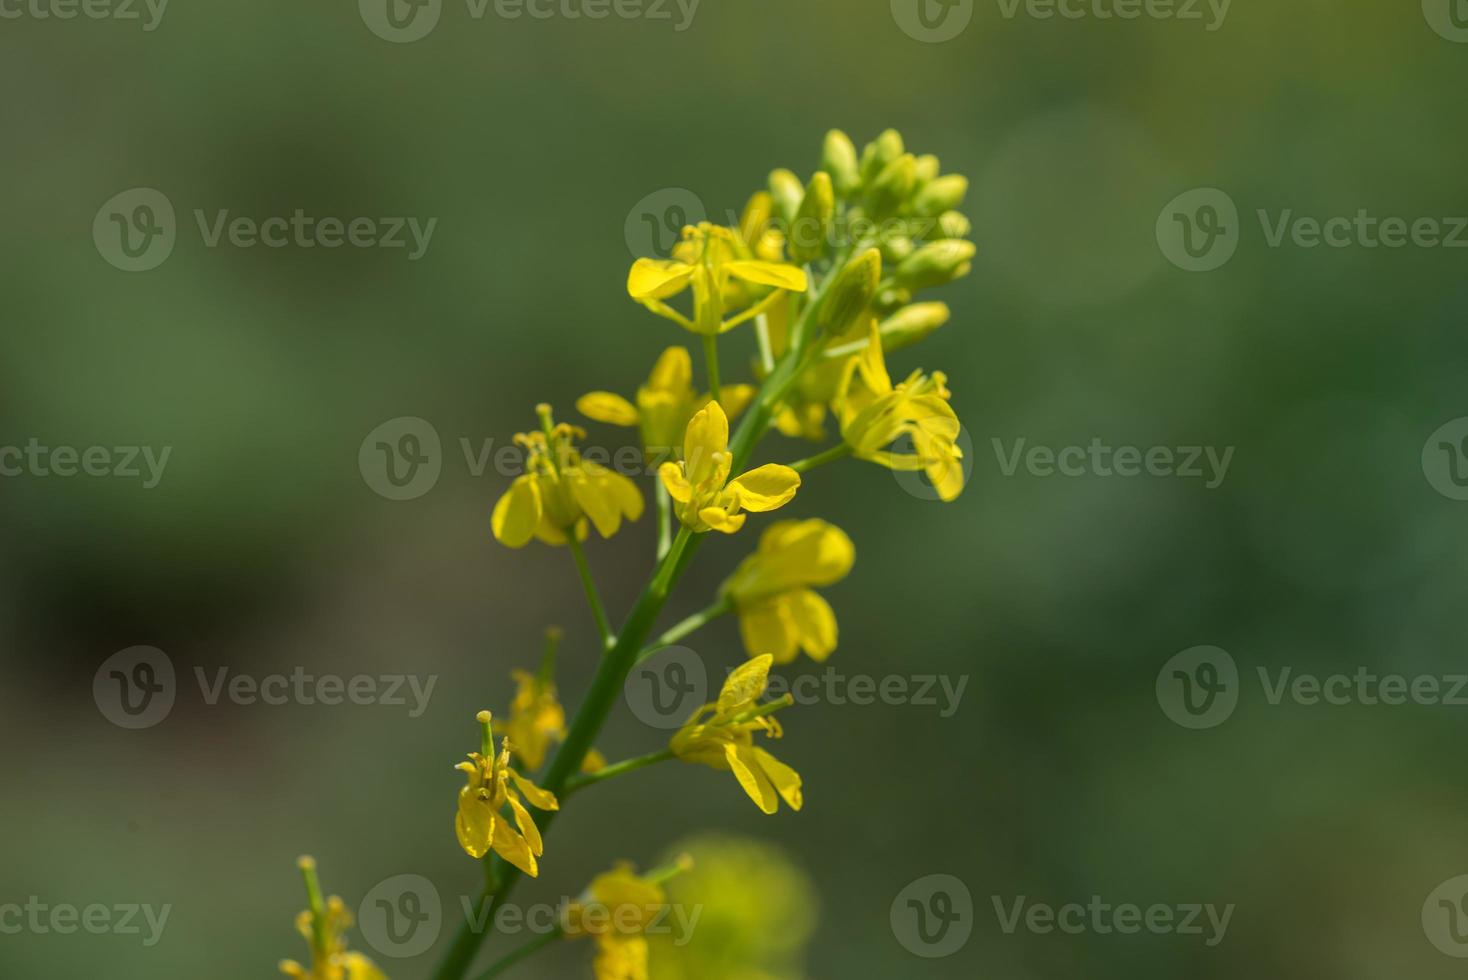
263 549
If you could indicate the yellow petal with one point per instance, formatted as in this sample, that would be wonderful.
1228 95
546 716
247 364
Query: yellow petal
621 490
786 780
514 849
764 630
541 799
598 505
620 958
474 824
814 622
517 514
766 488
871 365
673 372
603 406
719 519
776 274
735 398
656 279
746 769
745 684
706 437
359 967
528 830
676 483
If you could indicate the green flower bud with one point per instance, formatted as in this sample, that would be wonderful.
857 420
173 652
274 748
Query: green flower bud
851 293
892 298
893 186
879 153
838 158
787 192
912 323
928 169
936 263
895 248
955 224
811 230
940 195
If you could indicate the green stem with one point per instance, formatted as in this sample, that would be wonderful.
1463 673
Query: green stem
589 585
315 902
582 780
687 626
529 949
820 459
711 360
665 519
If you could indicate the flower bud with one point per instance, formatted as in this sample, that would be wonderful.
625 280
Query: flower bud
893 186
895 248
787 193
936 263
955 224
940 195
912 323
838 158
879 153
811 229
928 169
851 293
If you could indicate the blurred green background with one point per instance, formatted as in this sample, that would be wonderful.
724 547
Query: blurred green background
532 142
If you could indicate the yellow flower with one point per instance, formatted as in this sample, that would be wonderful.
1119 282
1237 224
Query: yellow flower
560 491
616 909
779 612
664 404
480 824
329 957
721 736
709 260
707 499
874 413
537 721
801 414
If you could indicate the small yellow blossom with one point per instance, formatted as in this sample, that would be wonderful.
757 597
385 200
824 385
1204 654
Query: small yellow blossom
480 824
874 413
779 611
707 499
709 260
560 491
537 721
617 908
324 926
664 404
721 736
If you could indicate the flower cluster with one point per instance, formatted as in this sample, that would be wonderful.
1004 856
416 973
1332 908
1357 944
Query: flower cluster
322 924
825 274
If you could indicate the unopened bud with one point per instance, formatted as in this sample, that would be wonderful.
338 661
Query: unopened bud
955 224
912 323
838 158
895 248
851 293
787 193
879 153
809 232
928 168
755 222
936 263
893 186
940 195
